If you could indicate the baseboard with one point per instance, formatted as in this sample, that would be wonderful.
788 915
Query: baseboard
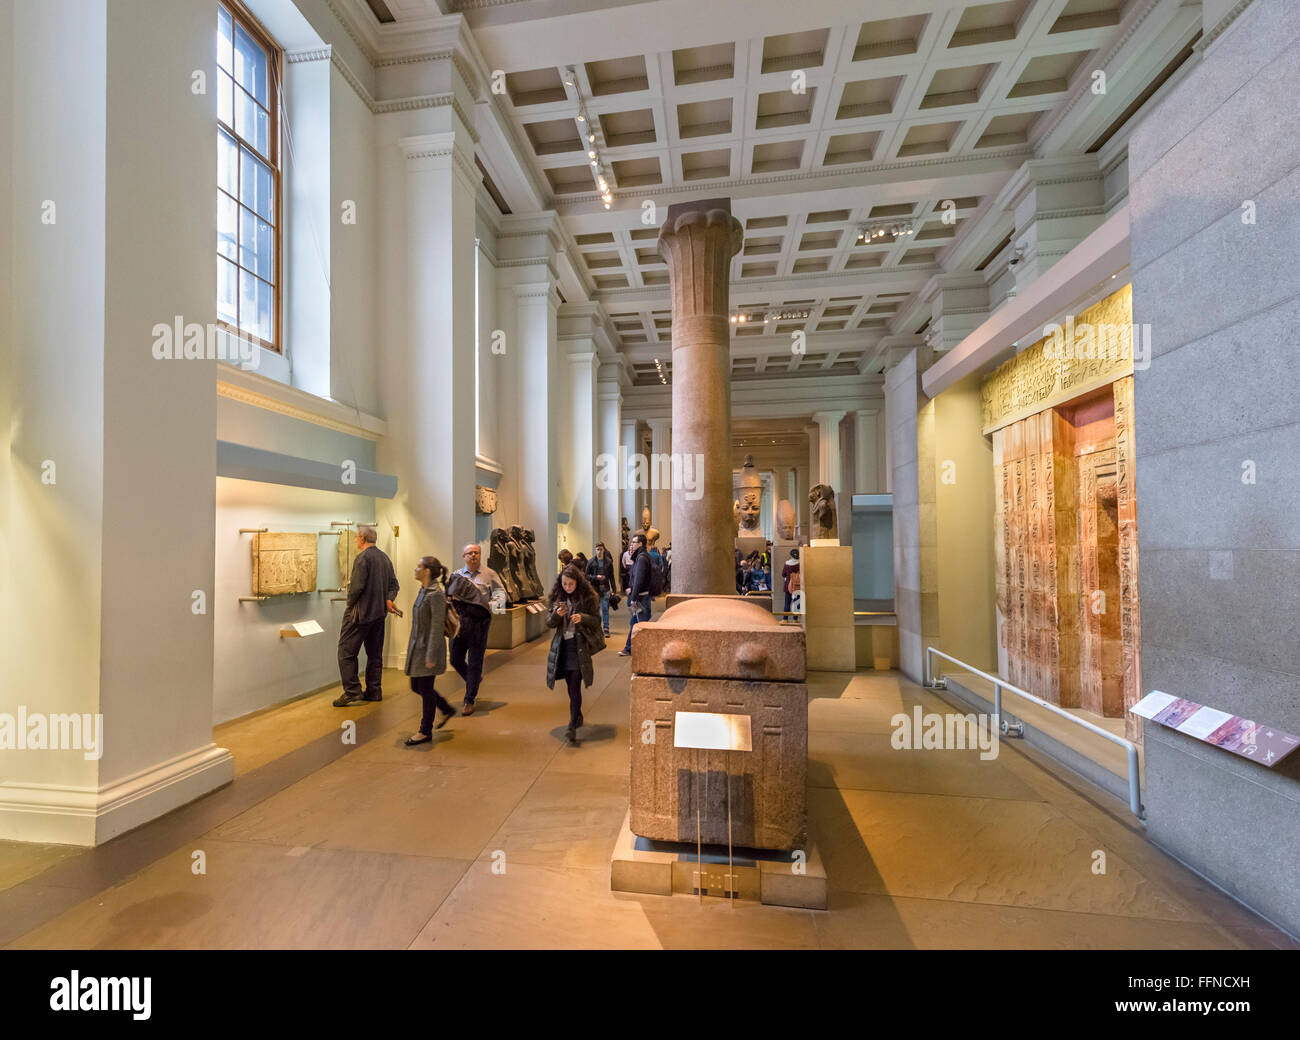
91 816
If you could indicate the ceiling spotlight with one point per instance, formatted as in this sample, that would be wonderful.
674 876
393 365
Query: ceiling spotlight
591 153
581 118
594 164
591 138
733 319
607 205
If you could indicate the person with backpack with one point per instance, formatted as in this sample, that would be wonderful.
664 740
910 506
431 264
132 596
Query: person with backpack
640 588
790 577
577 637
426 653
600 573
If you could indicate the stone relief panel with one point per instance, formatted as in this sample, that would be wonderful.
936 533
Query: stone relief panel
284 563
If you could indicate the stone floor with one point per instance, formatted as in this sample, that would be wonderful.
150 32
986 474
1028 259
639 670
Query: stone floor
498 835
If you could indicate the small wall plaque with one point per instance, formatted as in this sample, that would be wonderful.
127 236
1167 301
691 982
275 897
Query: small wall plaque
1254 740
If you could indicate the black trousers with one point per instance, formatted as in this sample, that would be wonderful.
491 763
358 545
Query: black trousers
352 637
468 647
433 701
569 668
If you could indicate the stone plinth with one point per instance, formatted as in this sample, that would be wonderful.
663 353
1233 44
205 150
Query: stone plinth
827 575
697 243
732 657
762 600
506 631
663 868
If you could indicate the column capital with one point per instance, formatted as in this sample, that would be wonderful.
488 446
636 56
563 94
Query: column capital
830 417
697 242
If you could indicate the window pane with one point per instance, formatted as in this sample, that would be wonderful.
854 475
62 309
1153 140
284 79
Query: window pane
254 306
227 288
225 99
255 186
227 228
256 248
223 39
252 123
250 66
227 164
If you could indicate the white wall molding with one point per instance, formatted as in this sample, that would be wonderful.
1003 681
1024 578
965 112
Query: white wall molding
273 396
70 815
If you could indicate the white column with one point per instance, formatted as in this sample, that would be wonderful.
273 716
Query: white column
609 402
540 403
109 465
578 458
828 450
661 508
865 451
627 443
434 506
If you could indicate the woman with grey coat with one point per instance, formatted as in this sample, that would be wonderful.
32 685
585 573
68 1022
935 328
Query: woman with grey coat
426 653
575 616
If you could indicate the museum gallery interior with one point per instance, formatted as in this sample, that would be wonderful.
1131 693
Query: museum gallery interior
926 369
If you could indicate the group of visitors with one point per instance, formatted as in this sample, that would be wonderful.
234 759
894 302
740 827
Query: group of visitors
455 609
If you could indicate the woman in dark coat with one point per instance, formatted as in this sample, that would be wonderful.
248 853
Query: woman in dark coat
426 653
575 618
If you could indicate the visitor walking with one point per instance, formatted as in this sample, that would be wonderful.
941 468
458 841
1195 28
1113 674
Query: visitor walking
371 591
790 567
577 636
638 589
600 573
426 653
470 592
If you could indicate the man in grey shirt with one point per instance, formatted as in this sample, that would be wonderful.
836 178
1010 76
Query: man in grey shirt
470 591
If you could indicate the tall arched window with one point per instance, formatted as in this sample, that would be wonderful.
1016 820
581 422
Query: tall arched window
248 179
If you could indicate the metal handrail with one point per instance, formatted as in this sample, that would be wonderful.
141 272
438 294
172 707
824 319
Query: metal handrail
1134 781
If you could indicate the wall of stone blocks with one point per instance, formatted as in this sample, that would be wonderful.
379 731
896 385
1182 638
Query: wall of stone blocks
1217 442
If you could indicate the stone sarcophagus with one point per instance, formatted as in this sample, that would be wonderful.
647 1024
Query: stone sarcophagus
720 654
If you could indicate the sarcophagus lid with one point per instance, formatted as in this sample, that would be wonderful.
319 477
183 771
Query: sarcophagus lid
719 637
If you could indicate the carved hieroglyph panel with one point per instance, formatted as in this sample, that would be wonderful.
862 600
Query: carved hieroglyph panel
284 563
1033 381
347 554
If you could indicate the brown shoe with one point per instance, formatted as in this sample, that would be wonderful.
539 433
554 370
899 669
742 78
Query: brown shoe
467 708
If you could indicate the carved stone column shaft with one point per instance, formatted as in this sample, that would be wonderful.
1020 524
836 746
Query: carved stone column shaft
697 243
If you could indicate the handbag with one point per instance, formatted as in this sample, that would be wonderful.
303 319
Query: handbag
451 623
614 601
595 640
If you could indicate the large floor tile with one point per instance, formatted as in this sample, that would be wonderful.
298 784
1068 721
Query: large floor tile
565 820
419 810
260 897
537 908
984 850
868 761
862 921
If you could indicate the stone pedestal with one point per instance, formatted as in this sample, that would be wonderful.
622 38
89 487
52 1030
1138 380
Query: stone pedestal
662 868
506 631
697 243
727 656
827 574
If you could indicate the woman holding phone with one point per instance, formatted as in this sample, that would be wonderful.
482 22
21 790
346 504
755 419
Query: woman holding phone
426 653
578 635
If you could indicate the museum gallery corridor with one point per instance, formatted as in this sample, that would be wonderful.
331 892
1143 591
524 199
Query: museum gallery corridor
317 845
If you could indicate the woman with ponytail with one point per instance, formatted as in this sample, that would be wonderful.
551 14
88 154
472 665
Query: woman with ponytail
426 653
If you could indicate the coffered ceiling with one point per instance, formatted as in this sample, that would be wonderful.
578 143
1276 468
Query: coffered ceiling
816 119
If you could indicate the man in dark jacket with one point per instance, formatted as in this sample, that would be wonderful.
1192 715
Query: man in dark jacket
600 572
370 600
638 589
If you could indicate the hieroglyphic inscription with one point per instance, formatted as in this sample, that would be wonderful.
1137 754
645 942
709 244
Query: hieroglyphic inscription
1032 381
1126 510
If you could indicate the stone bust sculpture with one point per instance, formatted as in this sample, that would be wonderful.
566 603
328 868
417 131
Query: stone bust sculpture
784 520
822 500
749 499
